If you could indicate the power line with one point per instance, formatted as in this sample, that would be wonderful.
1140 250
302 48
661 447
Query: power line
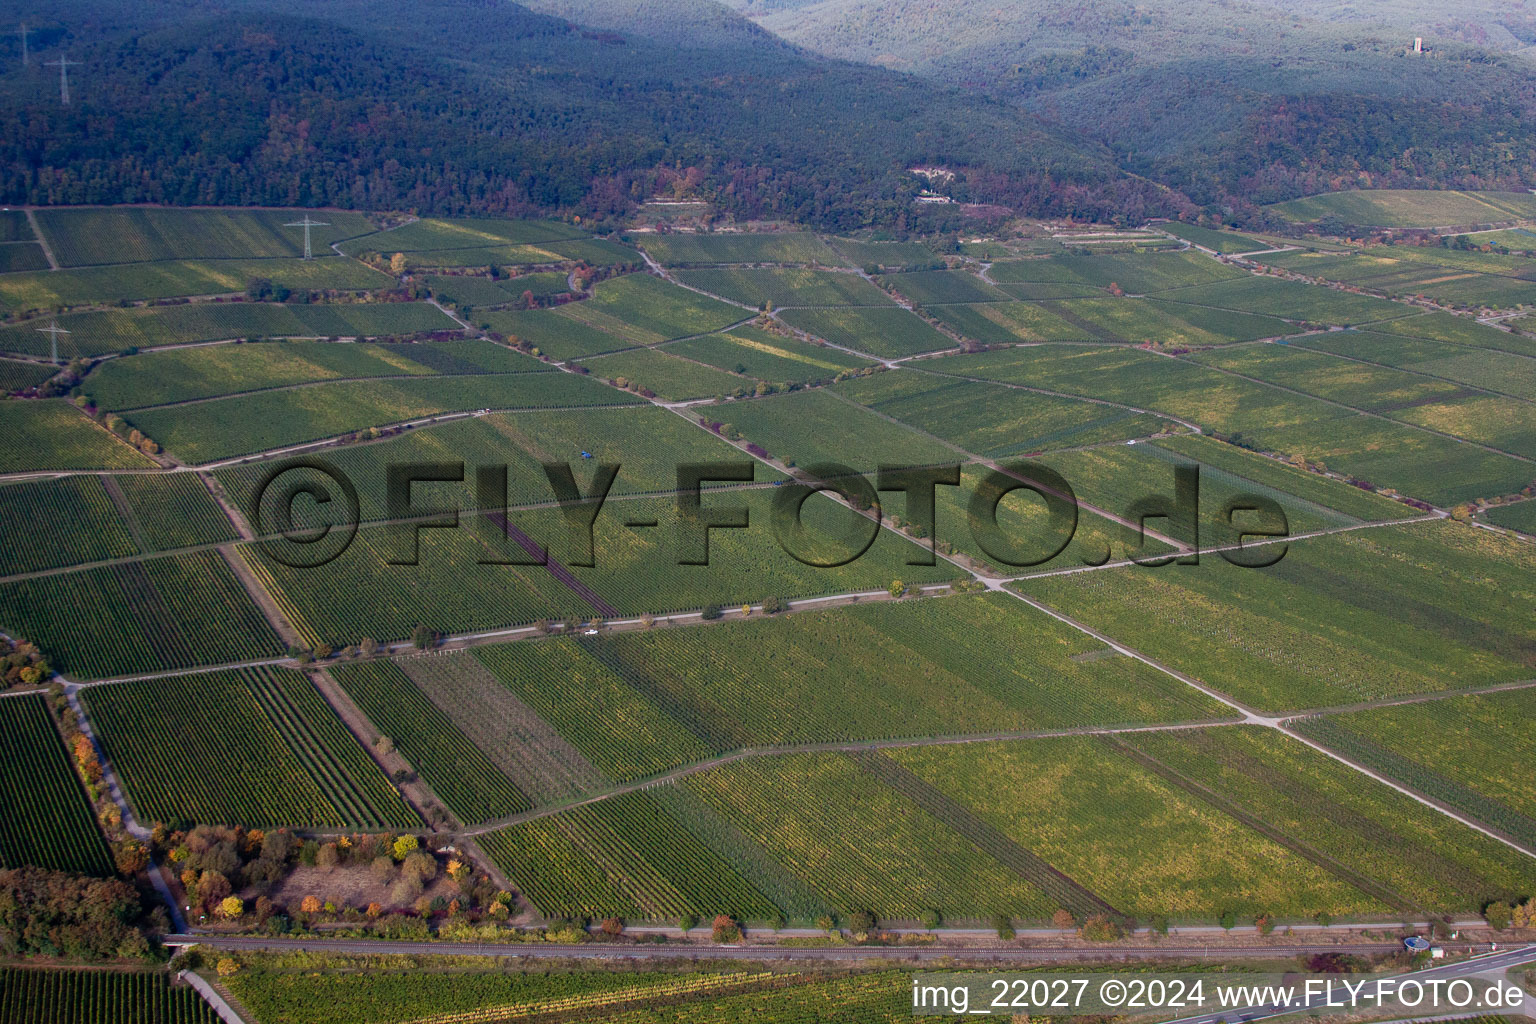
26 57
306 224
63 64
53 331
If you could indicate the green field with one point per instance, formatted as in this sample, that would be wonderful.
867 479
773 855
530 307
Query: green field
1138 842
671 378
1290 300
50 824
943 286
1361 386
637 571
91 236
1224 242
553 334
641 310
1494 371
993 420
1409 208
768 356
1520 516
1348 617
810 427
1008 323
648 445
17 376
1457 750
34 996
174 741
84 286
1141 321
19 256
1455 330
219 428
59 522
51 434
172 510
787 247
1142 273
786 287
895 255
1387 843
879 331
826 676
212 371
154 615
458 772
462 233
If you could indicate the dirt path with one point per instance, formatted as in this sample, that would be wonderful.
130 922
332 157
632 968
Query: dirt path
42 239
130 520
416 792
274 615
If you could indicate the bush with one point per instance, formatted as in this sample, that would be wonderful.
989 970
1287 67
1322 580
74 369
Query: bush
861 921
725 929
1497 915
711 611
1101 928
932 919
1004 925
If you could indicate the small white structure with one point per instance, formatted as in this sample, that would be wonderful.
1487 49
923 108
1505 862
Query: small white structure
1418 44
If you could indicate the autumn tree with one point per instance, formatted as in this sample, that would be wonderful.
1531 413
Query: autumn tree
231 907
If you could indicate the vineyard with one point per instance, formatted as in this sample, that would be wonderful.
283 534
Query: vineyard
768 357
50 434
552 333
49 824
173 740
45 290
671 377
942 286
59 522
1455 330
1486 368
1007 323
1383 841
1519 516
173 510
786 287
1142 844
1328 624
876 330
81 237
789 247
19 376
220 428
640 307
37 996
465 778
1289 300
1143 321
1408 207
1359 385
656 869
810 427
159 614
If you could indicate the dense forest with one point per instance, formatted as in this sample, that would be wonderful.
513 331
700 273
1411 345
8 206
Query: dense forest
477 105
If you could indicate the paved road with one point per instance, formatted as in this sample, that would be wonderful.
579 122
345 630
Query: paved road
1490 964
606 951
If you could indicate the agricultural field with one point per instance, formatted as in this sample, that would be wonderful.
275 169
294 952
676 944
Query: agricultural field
1143 273
1388 844
1499 372
647 444
396 990
52 434
461 233
467 290
671 377
1409 208
15 227
884 332
206 431
1459 751
825 676
173 740
767 356
786 287
1143 321
695 250
994 420
1361 386
472 786
65 521
158 614
85 286
1327 624
642 310
19 256
1454 330
1008 323
1505 424
16 375
172 510
1289 300
92 236
810 427
101 332
1518 516
52 825
927 287
895 255
551 333
1520 240
1224 242
30 995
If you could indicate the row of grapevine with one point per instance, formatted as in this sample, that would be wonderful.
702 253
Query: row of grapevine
48 822
59 522
256 747
472 786
32 996
165 613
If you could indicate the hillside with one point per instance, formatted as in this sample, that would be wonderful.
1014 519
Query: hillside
470 105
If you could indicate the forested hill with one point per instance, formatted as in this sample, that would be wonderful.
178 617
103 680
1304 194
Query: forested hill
457 106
